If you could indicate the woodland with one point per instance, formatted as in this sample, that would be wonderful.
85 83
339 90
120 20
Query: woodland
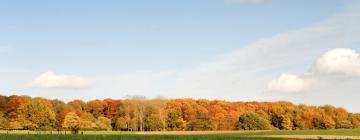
141 114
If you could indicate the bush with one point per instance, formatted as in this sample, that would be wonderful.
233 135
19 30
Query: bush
252 121
344 124
203 123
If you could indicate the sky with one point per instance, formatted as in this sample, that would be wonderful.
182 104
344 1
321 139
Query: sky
302 51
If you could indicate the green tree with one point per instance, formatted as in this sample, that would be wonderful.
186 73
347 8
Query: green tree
202 123
252 121
174 120
72 122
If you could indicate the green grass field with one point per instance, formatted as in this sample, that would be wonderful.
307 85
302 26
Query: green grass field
211 135
129 137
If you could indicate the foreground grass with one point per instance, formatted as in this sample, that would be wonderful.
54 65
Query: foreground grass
129 137
173 135
339 132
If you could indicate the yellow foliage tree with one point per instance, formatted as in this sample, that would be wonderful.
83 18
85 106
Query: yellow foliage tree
72 122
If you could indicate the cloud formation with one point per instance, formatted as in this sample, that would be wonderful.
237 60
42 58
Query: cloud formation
52 80
338 61
288 83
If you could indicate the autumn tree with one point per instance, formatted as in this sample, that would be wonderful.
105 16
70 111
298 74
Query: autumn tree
141 114
72 122
103 123
96 107
39 114
2 120
112 110
153 123
60 110
77 106
121 124
355 120
323 122
3 101
137 110
13 105
175 120
87 121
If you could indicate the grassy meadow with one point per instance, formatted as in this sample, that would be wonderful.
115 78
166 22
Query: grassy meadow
183 135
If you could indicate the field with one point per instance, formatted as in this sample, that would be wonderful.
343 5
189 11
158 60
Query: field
181 135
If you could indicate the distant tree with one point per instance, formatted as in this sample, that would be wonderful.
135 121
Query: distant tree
355 120
87 125
103 123
13 105
3 101
252 121
97 108
121 123
72 122
39 114
141 114
112 110
2 120
60 109
175 120
87 121
77 106
346 124
282 122
202 123
153 123
220 117
323 122
13 125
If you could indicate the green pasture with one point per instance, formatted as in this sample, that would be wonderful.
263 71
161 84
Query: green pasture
120 135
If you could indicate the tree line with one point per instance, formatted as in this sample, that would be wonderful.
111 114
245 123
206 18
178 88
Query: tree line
140 114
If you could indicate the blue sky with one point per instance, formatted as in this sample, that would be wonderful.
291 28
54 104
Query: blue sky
101 37
152 47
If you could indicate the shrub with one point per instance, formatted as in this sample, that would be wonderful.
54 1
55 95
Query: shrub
252 121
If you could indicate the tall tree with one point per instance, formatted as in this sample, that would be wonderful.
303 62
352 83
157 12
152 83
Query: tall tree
39 114
72 122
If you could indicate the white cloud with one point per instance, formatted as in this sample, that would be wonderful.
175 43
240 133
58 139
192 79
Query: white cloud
338 61
288 83
52 80
327 69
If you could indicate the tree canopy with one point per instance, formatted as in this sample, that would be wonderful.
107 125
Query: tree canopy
140 114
